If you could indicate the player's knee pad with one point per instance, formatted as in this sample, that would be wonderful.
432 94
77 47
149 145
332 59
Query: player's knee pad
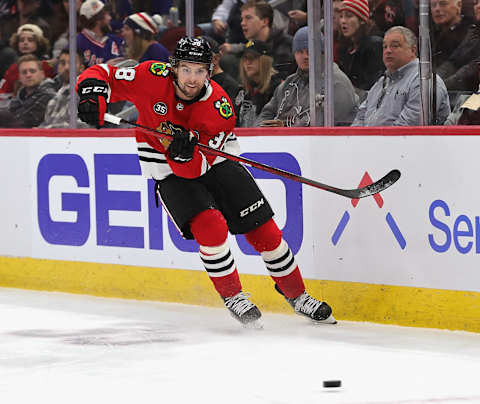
209 228
266 237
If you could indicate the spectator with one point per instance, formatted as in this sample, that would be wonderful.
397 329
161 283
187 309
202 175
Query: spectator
259 80
26 12
337 27
470 111
218 75
256 23
360 54
62 41
460 70
57 114
290 104
450 28
138 32
8 56
28 107
95 42
394 100
28 40
390 13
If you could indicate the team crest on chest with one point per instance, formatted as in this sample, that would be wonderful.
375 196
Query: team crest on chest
180 106
159 69
160 108
223 107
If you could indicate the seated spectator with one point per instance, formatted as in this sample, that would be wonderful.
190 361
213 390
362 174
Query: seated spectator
138 32
390 13
460 70
62 40
28 107
27 12
57 114
259 80
394 100
8 56
464 101
257 25
360 53
470 111
218 75
95 42
290 104
337 27
28 40
450 28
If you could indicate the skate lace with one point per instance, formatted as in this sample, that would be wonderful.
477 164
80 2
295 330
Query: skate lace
239 303
307 304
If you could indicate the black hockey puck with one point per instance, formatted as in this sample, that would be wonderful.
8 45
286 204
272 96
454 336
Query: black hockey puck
332 383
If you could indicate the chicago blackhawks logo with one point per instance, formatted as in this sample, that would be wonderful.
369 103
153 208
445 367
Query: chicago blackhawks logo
159 69
224 108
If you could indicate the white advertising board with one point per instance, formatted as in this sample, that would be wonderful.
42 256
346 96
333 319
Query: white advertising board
83 199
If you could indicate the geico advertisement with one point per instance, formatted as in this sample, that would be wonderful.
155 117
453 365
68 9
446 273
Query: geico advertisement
87 201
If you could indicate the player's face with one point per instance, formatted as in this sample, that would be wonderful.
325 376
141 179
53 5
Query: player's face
27 43
190 79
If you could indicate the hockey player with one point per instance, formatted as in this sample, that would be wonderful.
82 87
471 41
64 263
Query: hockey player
206 196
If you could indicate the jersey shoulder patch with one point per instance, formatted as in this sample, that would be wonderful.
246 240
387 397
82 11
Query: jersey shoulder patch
223 107
159 69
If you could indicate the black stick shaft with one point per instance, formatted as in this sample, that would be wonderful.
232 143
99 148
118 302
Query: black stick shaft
372 189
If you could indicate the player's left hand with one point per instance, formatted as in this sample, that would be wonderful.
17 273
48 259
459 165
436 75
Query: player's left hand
183 145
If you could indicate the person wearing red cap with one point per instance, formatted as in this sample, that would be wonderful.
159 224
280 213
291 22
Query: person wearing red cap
138 32
360 52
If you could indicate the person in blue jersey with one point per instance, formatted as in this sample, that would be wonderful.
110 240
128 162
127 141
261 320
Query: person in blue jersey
138 31
95 42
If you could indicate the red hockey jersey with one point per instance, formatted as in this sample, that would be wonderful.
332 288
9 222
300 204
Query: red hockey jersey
150 87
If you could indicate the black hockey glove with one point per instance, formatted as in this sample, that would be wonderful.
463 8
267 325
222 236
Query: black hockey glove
182 146
92 106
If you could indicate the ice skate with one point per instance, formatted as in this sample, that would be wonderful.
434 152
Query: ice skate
244 310
305 305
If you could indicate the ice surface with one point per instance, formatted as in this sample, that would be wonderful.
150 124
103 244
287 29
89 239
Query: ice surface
61 348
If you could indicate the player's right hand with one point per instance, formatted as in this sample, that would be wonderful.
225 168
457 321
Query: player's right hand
183 145
92 105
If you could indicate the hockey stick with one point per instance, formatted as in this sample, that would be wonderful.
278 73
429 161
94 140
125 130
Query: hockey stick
369 190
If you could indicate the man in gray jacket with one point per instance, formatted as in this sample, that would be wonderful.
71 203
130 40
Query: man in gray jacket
394 99
290 104
28 107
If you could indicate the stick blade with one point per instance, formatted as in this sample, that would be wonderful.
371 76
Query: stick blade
378 186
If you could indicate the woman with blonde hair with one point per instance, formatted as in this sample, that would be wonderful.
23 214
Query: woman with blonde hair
139 31
258 79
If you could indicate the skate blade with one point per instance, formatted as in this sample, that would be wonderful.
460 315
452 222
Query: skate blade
329 320
253 325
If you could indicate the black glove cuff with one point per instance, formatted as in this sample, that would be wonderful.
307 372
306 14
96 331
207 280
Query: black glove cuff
92 87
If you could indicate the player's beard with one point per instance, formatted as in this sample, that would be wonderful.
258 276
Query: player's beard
187 92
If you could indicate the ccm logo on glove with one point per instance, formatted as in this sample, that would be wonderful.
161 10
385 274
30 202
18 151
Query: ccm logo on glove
95 89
